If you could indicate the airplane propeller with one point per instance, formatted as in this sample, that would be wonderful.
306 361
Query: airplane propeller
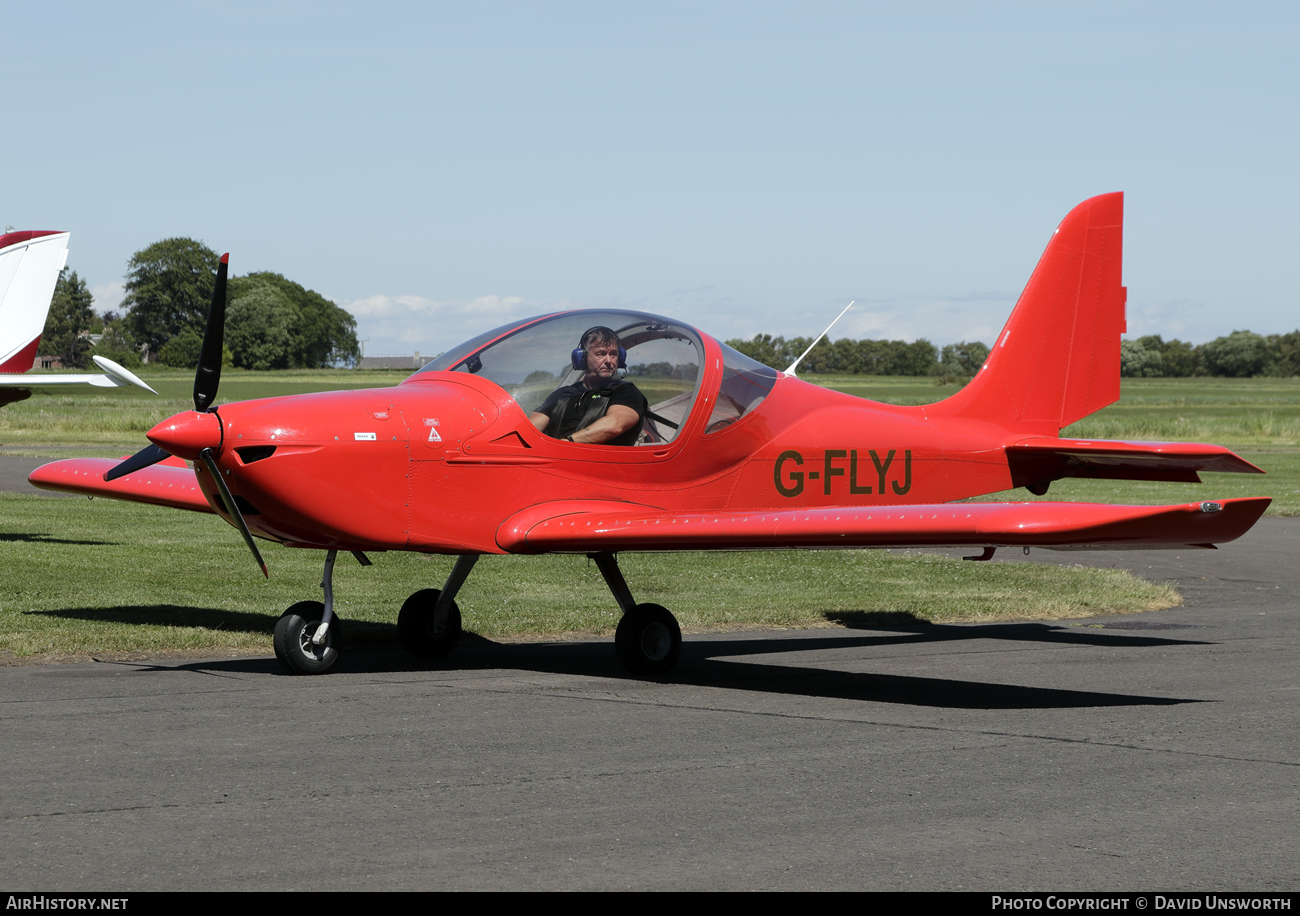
208 374
207 377
149 455
210 463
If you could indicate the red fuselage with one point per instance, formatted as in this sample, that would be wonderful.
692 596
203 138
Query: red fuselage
437 463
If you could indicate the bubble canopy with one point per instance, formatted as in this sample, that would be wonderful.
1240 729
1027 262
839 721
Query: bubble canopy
531 358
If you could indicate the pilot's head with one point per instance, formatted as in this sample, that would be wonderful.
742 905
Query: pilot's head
599 353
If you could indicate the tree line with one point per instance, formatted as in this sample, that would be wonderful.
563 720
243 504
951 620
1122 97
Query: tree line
866 357
1241 354
271 321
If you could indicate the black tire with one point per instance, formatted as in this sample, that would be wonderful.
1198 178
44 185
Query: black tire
648 640
415 626
293 645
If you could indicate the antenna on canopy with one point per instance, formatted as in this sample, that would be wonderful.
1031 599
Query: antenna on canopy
790 371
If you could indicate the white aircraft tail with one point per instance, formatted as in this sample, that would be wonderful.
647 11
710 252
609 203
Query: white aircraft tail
29 267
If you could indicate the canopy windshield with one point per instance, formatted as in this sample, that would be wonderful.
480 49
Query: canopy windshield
532 358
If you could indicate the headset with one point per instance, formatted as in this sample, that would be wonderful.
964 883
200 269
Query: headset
579 354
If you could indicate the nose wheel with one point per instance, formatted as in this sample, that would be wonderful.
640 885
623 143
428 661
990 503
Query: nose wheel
309 635
295 639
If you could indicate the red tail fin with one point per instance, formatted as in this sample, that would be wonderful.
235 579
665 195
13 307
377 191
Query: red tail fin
1057 359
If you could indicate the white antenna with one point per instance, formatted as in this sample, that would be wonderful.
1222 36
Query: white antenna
790 371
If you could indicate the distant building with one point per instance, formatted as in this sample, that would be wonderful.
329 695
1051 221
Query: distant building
55 361
395 362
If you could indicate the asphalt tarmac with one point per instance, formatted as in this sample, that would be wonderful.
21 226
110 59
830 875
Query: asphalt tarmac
13 476
1152 752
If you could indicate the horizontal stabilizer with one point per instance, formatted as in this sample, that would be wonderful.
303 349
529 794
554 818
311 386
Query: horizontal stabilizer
589 526
169 483
115 377
1046 458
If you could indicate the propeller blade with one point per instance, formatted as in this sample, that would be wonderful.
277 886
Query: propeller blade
208 376
211 464
150 454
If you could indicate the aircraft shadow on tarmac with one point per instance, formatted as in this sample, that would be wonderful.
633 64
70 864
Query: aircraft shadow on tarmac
171 615
705 661
39 538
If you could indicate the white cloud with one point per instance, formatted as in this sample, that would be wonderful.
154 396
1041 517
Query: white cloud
108 296
1180 319
398 325
941 320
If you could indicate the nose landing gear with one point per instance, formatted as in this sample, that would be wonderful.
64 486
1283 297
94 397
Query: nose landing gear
309 634
295 644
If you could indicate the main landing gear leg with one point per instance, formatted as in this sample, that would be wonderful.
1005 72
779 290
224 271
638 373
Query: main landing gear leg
428 625
648 639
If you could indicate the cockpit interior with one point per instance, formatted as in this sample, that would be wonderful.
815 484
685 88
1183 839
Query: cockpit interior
665 358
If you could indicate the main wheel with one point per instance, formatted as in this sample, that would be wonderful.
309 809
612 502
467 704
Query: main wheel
648 640
415 626
293 639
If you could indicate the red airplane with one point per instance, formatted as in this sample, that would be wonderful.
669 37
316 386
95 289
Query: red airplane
730 455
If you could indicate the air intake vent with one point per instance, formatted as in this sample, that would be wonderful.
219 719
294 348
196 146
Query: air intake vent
250 453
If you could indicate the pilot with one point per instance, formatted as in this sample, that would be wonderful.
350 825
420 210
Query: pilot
600 408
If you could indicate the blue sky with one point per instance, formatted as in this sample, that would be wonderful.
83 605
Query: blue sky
750 167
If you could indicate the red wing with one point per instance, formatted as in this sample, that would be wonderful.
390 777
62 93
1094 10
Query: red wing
169 483
595 526
1048 458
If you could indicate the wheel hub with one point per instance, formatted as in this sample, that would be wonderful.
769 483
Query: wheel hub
307 647
656 641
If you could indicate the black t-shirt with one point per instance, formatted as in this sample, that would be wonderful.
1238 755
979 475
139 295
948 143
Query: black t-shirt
568 406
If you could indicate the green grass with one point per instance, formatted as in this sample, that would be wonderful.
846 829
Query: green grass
111 580
1258 418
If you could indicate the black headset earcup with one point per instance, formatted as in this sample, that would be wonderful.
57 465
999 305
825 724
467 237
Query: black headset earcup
579 358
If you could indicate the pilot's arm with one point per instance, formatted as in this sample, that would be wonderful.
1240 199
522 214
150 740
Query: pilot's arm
617 420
